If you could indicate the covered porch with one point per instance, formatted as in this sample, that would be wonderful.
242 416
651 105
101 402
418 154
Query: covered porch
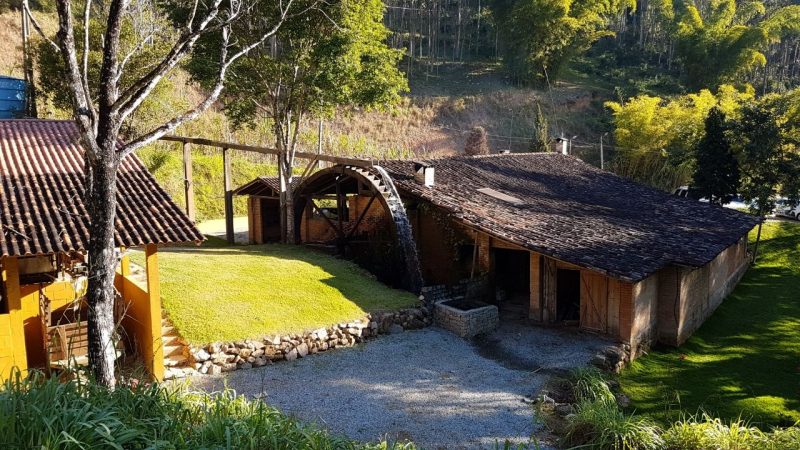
43 315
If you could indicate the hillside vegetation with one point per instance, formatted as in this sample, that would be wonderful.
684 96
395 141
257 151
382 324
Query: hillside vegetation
434 118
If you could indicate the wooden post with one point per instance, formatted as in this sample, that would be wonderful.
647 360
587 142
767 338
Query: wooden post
153 347
226 163
188 183
535 307
15 314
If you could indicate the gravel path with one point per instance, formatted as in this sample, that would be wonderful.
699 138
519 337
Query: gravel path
427 386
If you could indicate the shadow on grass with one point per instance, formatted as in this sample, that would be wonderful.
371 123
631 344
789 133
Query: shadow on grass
745 360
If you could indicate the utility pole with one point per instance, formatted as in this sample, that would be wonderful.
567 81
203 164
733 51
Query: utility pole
27 63
602 157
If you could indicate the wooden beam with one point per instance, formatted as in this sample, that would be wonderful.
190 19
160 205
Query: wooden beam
154 347
226 176
269 151
328 220
188 183
361 216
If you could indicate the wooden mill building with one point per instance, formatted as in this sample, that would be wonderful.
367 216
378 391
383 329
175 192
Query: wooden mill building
557 239
42 248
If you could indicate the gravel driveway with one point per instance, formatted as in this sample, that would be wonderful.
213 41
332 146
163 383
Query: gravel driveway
428 386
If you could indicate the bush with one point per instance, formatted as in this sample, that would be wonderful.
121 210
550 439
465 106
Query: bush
708 433
599 423
43 413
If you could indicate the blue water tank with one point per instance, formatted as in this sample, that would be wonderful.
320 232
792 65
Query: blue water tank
12 98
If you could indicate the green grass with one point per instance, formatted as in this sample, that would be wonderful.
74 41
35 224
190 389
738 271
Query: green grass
46 414
226 293
745 360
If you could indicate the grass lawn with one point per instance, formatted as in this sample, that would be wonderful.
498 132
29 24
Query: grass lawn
223 293
745 360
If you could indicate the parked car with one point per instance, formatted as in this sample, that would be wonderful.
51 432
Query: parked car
788 211
688 192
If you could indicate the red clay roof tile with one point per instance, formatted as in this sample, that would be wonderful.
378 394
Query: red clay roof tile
41 165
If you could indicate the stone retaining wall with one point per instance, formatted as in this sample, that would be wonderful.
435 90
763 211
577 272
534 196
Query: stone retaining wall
219 357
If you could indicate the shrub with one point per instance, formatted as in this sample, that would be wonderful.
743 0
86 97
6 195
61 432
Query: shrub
599 423
477 142
43 413
708 433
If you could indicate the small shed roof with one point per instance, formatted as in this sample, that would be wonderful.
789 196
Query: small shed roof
564 208
42 171
264 187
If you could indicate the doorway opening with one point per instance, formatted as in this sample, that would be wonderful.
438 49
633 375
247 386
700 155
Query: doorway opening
512 281
270 220
568 296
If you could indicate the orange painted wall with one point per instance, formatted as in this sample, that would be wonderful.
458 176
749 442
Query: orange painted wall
6 349
22 336
60 294
142 321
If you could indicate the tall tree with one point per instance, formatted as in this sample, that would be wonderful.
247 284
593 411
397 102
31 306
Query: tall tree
715 46
762 160
334 55
716 174
541 142
538 36
102 106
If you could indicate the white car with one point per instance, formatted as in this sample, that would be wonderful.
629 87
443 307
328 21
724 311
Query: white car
788 211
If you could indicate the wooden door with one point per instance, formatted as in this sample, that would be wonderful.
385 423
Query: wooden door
594 302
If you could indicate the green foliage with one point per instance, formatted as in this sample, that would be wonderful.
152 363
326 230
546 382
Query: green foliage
762 156
708 433
656 138
598 423
46 414
716 175
166 165
539 36
541 141
715 47
165 100
334 54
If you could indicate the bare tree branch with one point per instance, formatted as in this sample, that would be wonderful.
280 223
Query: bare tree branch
82 112
212 97
133 96
87 7
38 27
129 55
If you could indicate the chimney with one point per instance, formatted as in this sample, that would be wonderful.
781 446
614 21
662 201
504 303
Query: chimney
423 173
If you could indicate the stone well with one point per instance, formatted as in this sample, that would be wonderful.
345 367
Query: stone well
466 319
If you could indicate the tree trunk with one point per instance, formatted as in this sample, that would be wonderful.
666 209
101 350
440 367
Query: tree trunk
101 202
287 199
758 238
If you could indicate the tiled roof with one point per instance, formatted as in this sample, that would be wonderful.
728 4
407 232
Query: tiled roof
41 164
571 211
264 187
